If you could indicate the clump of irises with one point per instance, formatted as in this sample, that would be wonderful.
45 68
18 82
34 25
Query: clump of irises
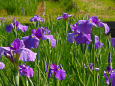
81 31
42 33
15 25
15 53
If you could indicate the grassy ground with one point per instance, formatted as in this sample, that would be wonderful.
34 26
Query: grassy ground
104 9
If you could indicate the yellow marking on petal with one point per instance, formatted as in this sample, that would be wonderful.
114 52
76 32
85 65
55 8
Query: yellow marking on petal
32 36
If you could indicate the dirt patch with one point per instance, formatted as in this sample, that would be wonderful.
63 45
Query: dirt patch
40 9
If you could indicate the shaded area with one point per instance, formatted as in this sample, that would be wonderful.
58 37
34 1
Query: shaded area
112 27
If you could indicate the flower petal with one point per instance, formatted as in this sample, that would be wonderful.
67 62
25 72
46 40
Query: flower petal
71 37
22 28
84 26
50 37
106 28
26 55
60 74
2 65
59 17
17 44
9 27
31 41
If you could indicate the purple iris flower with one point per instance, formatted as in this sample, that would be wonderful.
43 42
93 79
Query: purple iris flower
18 48
74 28
31 41
111 72
57 71
41 33
91 66
97 43
79 36
85 26
2 65
64 16
96 22
83 38
113 42
71 37
36 18
17 25
26 71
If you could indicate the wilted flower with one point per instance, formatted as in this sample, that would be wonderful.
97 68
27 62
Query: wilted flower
36 18
2 65
16 25
57 71
26 71
64 16
41 33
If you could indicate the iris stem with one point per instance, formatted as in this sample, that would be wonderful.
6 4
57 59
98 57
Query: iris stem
16 76
66 26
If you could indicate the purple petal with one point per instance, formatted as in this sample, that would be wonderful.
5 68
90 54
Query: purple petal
97 69
113 42
74 28
83 39
60 74
36 18
107 80
69 15
9 28
50 37
97 43
30 41
38 33
2 65
109 69
22 28
17 44
113 79
84 26
4 50
26 71
59 17
26 55
106 28
91 66
49 73
65 15
71 37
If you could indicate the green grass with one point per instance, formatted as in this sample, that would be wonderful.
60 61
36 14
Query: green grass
70 56
14 7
